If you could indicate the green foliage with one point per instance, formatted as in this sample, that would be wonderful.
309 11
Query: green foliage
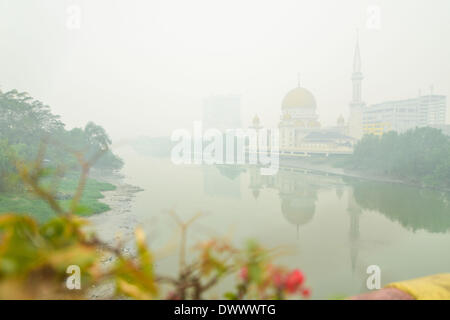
420 156
24 122
41 211
34 259
9 179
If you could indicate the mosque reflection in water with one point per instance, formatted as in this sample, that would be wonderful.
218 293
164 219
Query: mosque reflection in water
298 192
298 196
413 208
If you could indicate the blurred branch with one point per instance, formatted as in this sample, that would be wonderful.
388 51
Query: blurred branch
183 227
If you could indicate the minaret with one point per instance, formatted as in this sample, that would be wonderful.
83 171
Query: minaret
357 75
356 105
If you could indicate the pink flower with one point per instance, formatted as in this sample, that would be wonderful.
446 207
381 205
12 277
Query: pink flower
294 280
244 273
172 296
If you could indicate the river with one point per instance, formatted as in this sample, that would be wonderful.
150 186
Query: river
333 227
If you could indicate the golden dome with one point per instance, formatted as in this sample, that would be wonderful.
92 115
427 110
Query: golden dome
298 98
255 120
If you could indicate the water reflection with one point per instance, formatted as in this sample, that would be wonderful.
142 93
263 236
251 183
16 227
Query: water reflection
297 193
224 181
355 212
412 207
335 226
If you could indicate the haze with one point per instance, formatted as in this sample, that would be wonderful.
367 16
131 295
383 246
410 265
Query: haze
143 67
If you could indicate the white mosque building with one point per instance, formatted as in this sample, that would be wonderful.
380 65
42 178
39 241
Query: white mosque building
301 133
298 117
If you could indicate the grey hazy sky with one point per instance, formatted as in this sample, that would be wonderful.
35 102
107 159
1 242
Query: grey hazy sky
142 67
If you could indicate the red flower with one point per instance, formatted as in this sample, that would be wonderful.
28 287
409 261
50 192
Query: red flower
244 273
306 293
294 281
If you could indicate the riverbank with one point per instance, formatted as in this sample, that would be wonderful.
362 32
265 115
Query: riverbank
327 166
27 203
115 226
118 221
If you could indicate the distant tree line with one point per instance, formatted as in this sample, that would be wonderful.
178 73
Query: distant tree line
421 156
24 122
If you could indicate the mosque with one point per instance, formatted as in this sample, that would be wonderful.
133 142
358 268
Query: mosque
301 133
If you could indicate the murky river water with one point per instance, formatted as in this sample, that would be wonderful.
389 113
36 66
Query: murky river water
334 227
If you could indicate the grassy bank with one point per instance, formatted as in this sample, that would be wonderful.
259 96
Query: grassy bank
27 203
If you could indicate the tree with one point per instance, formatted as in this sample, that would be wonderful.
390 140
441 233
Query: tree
97 136
24 120
421 155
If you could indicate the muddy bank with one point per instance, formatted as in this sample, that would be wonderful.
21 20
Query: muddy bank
119 222
116 226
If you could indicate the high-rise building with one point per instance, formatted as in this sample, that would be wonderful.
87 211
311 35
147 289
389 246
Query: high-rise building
402 115
355 129
432 110
222 112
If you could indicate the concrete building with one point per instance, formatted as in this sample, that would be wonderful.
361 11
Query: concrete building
431 110
222 112
403 115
